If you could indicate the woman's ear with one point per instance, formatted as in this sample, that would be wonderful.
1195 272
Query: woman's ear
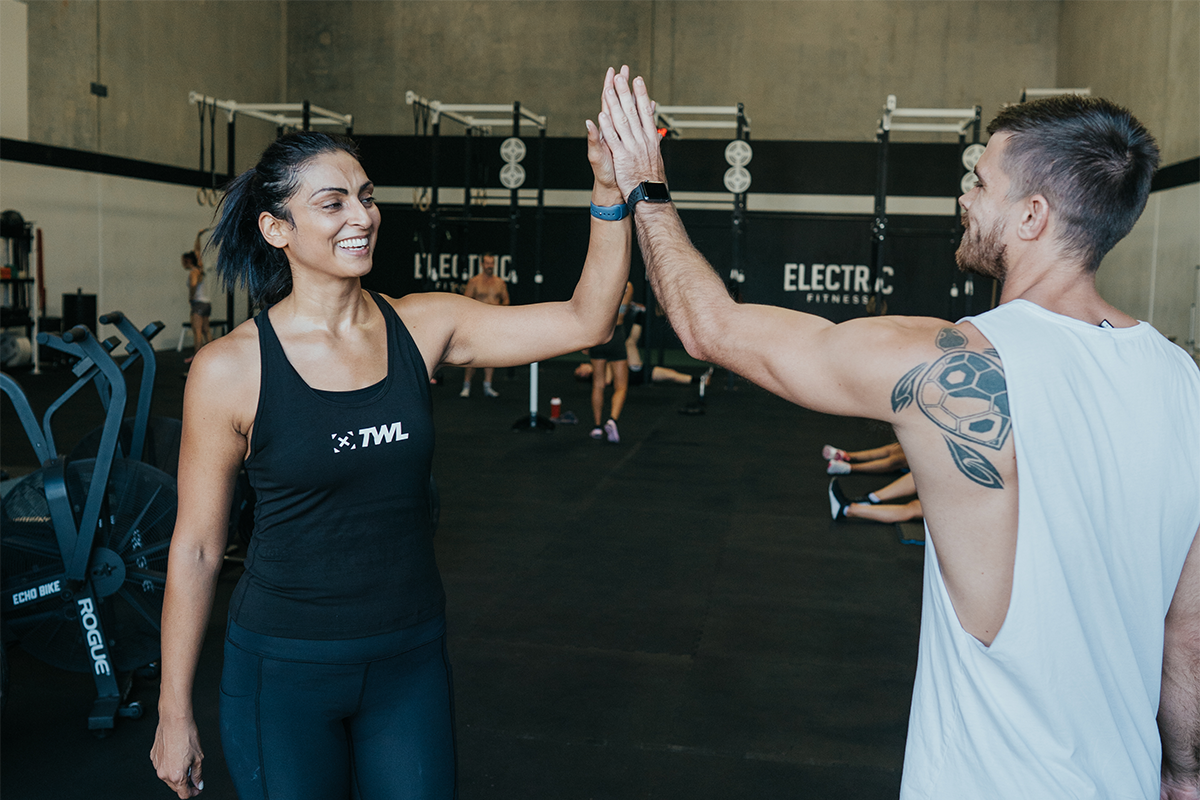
273 229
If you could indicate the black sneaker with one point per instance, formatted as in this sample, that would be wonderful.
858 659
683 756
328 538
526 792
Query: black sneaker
838 502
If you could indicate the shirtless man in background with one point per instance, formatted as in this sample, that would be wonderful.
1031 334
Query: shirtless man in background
489 288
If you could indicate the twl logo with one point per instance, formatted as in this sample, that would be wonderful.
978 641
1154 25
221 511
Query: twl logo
383 434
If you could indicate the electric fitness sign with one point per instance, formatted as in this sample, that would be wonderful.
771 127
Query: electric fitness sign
447 273
835 284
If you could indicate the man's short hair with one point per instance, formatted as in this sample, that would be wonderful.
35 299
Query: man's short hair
1089 157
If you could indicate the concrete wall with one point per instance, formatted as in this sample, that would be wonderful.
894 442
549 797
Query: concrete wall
150 56
1143 55
14 66
817 69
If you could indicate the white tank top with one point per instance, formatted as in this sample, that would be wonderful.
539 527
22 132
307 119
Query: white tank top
1063 703
200 293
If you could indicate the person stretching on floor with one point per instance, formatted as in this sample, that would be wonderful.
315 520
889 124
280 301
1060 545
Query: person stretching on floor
888 458
877 506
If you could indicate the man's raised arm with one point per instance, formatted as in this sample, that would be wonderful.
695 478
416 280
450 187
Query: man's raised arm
843 369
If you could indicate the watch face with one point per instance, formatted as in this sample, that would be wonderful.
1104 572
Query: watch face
656 192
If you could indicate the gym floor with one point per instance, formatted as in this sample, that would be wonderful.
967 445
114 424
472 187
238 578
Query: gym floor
675 616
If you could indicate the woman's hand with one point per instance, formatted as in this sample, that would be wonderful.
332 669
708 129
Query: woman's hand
598 152
177 756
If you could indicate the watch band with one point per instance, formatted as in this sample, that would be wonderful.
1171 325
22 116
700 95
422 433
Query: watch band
610 213
650 191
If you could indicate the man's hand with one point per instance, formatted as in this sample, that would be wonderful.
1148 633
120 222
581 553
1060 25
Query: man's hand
627 126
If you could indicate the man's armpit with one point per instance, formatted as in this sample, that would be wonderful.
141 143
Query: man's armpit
964 393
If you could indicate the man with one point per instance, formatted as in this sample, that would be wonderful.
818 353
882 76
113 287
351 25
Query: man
1055 442
487 287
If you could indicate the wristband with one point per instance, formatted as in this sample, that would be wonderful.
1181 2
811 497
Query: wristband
610 213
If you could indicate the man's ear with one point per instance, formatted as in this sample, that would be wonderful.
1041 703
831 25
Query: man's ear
273 229
1035 217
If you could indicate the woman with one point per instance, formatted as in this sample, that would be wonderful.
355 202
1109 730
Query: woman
198 299
609 358
335 678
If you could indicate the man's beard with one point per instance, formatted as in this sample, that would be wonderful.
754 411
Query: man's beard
981 252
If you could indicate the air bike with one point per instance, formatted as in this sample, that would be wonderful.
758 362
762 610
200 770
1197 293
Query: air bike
84 541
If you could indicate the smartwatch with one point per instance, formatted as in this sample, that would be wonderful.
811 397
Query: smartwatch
651 192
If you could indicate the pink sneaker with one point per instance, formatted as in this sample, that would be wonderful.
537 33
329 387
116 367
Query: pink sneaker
610 430
831 453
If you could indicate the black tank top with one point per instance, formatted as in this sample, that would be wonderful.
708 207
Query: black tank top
342 545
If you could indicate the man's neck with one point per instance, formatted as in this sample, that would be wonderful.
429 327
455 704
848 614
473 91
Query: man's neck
1064 288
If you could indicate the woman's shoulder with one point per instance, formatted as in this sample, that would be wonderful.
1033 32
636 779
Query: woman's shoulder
229 361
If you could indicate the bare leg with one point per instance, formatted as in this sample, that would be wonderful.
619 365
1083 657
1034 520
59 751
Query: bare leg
207 331
488 391
620 371
199 324
886 513
666 374
904 486
598 373
631 350
888 458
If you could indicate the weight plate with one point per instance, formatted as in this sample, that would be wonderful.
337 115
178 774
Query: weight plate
737 179
738 153
968 181
971 155
512 176
512 150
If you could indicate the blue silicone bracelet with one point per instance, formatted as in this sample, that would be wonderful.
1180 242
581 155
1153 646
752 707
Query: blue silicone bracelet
610 213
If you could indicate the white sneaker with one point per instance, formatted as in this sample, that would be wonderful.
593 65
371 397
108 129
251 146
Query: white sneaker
838 468
490 392
466 391
610 431
831 453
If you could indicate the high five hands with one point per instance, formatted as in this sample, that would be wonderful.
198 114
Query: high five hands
627 128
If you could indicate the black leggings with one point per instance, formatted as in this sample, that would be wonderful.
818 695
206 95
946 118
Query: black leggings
363 718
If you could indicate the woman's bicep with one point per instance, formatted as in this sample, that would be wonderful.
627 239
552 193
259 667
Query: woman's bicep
450 329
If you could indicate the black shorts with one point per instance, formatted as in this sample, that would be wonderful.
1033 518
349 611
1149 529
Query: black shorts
201 309
613 350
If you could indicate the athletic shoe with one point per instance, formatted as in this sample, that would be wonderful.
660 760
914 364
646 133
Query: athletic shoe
490 392
466 392
597 433
610 430
838 468
838 502
831 453
567 418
